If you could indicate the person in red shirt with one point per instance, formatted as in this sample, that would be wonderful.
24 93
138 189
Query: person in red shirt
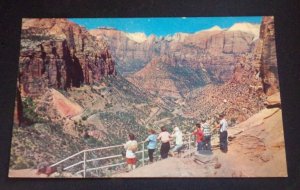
199 137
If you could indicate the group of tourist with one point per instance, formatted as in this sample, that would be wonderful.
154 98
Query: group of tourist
203 133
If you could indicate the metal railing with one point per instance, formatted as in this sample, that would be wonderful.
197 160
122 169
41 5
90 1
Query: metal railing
81 165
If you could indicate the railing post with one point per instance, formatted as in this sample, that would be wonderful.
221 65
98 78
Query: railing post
143 153
84 164
189 143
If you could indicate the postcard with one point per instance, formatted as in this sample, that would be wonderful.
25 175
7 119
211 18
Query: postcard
148 97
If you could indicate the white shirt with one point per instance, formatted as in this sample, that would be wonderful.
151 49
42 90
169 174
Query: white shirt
178 137
129 144
224 125
164 136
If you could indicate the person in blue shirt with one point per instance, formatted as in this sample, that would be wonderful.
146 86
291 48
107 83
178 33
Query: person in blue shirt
152 139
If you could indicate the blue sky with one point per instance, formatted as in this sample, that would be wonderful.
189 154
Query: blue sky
163 26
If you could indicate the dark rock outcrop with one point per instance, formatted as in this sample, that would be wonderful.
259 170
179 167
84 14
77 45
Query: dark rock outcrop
18 118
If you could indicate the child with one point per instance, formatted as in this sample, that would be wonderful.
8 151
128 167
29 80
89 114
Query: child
131 147
206 136
199 137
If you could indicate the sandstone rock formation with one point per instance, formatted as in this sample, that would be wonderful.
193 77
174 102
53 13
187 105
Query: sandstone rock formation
268 60
273 100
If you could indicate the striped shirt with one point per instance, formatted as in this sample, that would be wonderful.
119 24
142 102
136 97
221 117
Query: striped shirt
206 129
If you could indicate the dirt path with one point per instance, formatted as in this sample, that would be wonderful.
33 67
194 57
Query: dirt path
28 173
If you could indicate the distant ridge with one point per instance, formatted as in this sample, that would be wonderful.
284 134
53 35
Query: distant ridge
140 37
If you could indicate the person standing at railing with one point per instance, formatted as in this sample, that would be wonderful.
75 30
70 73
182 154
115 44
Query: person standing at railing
223 133
199 137
152 143
165 138
206 136
178 140
131 148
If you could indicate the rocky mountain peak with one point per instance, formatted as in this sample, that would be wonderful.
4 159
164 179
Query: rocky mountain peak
177 37
246 27
138 37
214 28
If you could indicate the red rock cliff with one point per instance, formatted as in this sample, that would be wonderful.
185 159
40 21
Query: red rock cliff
56 53
60 54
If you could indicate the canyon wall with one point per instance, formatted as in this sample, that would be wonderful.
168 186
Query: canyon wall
213 50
